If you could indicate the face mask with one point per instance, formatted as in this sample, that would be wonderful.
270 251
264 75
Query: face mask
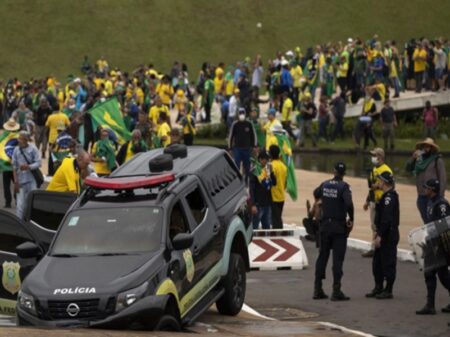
242 118
375 161
72 106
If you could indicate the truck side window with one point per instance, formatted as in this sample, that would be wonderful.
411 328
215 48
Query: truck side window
197 205
9 242
178 223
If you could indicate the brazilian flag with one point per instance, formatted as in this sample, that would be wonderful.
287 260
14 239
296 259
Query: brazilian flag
107 114
286 154
8 142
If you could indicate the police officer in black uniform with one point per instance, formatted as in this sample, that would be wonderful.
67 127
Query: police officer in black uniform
387 220
437 208
334 228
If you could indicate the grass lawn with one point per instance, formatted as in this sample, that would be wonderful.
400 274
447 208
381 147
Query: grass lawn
43 37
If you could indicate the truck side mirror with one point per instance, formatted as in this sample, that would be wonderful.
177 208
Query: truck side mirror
28 250
182 241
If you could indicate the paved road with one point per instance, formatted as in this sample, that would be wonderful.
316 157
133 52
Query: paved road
287 294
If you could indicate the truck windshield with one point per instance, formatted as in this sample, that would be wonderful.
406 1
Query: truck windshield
110 231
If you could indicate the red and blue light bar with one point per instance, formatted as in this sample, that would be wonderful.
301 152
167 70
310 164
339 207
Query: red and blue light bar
128 183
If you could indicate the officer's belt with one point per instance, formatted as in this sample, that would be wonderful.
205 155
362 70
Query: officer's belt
343 221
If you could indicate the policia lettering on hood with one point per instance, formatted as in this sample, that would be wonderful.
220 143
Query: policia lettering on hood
77 290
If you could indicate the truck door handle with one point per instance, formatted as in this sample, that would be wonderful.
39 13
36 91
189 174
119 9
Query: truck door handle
216 228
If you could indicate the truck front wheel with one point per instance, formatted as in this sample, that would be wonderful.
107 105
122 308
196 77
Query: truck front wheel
234 284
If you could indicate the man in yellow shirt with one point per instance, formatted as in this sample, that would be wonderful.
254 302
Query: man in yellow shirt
375 192
67 177
286 113
271 121
164 130
165 91
57 120
342 71
219 82
279 170
297 79
420 62
155 111
102 65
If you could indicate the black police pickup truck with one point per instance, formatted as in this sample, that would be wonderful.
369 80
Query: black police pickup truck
151 246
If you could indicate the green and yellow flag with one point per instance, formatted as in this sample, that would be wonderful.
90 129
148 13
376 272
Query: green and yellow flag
8 142
108 115
286 153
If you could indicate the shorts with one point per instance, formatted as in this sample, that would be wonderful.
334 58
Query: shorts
439 73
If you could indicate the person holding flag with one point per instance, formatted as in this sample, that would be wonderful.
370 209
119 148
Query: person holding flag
108 115
8 142
103 154
60 150
279 138
132 147
279 170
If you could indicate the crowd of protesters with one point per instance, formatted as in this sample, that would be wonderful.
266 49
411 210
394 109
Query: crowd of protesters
339 73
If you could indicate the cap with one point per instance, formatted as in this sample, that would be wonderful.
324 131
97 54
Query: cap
340 167
387 177
272 111
433 184
284 62
289 53
378 151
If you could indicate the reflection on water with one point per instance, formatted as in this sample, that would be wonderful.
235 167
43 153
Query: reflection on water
358 165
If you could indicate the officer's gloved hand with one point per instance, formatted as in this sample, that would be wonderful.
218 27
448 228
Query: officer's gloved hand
349 226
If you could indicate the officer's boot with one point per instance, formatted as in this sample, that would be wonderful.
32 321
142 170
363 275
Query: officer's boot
447 308
428 309
375 291
386 294
338 295
319 294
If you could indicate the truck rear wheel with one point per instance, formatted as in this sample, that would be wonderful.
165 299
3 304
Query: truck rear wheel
234 284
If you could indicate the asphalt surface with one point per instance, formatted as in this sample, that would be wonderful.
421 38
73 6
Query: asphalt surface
287 295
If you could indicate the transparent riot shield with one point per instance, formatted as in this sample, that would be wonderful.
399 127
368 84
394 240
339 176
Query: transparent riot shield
431 244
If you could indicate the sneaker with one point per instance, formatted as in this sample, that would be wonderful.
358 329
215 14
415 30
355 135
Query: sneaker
446 309
426 310
384 295
368 254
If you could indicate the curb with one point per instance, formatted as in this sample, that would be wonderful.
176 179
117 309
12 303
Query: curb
345 330
402 254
